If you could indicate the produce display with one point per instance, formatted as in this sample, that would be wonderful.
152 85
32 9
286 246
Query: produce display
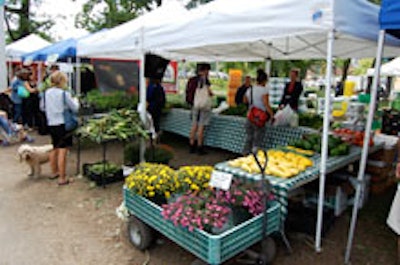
280 164
310 120
352 137
336 146
240 110
109 169
120 124
104 102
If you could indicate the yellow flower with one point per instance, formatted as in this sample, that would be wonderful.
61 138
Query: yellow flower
152 193
150 188
194 187
167 194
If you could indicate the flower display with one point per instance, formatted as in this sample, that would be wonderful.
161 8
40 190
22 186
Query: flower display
246 195
149 180
200 210
194 178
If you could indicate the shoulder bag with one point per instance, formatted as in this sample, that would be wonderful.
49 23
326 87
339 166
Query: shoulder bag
256 115
202 99
70 118
23 92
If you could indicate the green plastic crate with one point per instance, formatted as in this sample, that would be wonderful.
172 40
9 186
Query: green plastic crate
213 249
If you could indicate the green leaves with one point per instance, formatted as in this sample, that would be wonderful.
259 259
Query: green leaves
120 125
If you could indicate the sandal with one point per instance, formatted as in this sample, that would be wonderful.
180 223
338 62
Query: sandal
63 183
53 177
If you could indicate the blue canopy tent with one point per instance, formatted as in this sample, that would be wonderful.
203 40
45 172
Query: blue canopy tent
62 51
59 51
389 19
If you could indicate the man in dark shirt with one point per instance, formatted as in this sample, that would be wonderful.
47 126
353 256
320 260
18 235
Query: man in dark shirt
242 90
292 91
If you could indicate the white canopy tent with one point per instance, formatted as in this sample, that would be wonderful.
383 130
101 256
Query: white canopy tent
129 40
391 68
30 43
225 30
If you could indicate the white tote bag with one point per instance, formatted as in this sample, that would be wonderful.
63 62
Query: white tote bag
202 99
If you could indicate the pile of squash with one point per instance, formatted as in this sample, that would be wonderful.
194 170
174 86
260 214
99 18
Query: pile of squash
280 163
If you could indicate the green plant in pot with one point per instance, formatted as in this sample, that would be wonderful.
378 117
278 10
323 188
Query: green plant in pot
160 153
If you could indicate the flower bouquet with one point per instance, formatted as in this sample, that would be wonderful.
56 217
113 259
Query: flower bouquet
153 181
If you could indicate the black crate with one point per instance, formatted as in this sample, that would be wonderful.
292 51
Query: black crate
99 179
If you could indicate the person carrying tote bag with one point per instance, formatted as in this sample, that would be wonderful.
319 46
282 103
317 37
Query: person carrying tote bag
56 101
259 114
201 109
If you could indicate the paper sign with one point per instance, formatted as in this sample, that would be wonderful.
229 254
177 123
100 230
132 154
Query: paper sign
221 180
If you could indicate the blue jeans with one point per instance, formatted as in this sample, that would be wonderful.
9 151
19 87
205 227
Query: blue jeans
17 112
5 125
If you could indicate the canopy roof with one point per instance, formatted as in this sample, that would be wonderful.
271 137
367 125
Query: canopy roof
58 51
390 17
126 40
391 68
29 43
280 29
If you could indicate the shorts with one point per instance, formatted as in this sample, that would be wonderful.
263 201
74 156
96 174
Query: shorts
201 117
60 138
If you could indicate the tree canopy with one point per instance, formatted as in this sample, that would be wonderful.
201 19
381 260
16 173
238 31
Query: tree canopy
21 21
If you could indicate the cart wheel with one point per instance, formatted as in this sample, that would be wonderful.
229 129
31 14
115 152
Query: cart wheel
268 251
140 234
198 262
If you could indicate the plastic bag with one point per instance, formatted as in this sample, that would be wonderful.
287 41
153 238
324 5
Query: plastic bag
286 117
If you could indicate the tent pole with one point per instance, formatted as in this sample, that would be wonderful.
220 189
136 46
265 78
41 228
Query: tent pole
142 93
268 63
367 136
69 60
78 76
324 148
3 66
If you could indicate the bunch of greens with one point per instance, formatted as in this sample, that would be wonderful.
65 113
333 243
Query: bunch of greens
240 110
310 120
120 124
108 168
104 102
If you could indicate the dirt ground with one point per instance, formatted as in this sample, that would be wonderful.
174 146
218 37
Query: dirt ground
43 224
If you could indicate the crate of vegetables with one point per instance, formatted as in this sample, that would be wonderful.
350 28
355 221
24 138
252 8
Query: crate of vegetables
103 172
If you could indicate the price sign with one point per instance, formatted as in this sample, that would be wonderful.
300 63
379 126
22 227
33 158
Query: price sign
221 180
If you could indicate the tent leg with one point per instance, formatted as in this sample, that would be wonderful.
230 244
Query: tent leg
324 152
367 137
78 76
3 66
142 95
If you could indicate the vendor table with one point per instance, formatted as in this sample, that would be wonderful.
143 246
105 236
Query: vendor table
228 132
281 186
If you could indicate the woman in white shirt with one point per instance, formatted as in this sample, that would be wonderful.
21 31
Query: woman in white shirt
54 101
257 96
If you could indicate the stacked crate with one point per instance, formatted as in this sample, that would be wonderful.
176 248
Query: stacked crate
380 166
276 87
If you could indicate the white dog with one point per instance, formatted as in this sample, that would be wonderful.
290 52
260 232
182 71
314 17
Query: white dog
34 156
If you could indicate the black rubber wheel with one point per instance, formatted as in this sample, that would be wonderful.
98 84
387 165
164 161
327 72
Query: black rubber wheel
268 251
140 234
198 262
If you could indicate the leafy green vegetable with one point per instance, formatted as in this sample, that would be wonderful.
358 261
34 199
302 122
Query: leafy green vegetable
104 102
120 125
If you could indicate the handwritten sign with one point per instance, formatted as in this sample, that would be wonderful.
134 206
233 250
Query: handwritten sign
221 180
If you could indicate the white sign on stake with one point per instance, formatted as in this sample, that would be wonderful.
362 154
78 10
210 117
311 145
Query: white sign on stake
221 180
